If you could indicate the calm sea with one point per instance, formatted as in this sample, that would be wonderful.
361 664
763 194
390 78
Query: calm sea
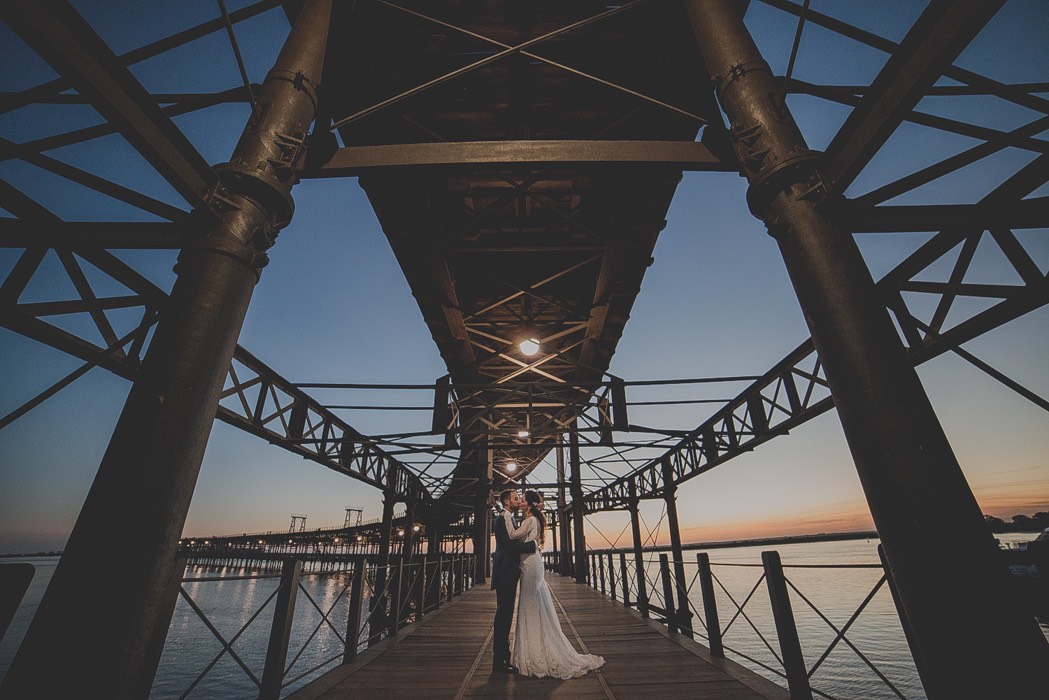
845 673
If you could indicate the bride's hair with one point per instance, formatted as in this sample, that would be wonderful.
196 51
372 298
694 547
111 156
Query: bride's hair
534 499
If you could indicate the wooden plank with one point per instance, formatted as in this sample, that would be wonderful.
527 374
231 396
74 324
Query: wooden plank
449 654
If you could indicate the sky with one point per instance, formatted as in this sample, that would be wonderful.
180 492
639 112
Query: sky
333 305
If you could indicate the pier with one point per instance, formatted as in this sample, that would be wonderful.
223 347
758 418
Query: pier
642 659
521 160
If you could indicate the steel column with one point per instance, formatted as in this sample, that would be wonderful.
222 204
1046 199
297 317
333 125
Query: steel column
481 531
940 552
563 518
639 558
684 613
576 489
382 563
101 627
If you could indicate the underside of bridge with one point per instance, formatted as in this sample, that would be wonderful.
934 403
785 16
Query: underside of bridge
521 158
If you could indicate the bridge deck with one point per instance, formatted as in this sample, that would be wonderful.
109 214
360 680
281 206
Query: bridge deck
449 655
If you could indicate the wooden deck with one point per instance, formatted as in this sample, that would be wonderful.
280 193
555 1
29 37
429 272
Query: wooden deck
449 655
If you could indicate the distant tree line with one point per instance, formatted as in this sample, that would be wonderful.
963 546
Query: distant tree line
1019 523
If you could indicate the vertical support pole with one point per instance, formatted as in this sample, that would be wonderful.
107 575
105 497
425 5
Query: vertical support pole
420 587
382 571
563 518
482 514
668 593
577 505
396 596
550 557
611 575
599 563
928 520
710 605
102 627
624 579
156 646
684 611
908 633
280 631
786 629
639 558
353 633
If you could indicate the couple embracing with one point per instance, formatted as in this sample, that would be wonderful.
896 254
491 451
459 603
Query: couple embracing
540 647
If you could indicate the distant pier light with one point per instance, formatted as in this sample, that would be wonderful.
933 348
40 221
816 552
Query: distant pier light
523 433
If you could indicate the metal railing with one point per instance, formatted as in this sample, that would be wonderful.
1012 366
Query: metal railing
675 601
377 601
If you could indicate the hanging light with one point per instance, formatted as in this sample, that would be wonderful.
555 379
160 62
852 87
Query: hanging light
523 433
529 347
511 466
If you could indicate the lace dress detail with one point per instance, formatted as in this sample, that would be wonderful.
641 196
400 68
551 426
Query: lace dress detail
540 647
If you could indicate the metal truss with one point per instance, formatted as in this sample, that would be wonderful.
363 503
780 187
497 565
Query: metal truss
514 195
256 399
795 391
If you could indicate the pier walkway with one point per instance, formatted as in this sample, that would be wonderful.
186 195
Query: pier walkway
449 655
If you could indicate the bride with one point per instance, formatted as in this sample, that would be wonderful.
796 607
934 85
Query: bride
540 647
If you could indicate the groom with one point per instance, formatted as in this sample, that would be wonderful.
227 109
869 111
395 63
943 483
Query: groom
506 569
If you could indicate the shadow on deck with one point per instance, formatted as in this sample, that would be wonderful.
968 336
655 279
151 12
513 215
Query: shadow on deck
449 655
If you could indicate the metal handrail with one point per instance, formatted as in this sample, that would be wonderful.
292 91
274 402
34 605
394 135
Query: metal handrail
451 574
668 613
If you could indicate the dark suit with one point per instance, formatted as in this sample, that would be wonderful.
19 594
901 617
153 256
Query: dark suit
506 570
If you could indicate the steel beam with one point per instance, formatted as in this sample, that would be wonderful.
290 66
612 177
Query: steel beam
71 46
501 155
928 520
102 627
939 35
20 233
1024 213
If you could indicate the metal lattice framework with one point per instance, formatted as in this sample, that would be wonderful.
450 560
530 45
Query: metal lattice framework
572 168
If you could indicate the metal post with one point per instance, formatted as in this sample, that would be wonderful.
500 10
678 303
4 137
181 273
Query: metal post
382 571
684 611
420 588
577 505
396 597
786 629
611 576
639 559
408 542
624 579
482 512
941 554
102 627
156 646
353 633
668 592
710 605
563 518
280 631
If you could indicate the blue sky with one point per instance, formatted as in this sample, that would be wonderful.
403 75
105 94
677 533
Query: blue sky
333 305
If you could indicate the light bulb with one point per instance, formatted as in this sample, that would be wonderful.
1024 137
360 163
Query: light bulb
530 347
511 466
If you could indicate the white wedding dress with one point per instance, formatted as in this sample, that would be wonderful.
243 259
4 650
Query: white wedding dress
540 647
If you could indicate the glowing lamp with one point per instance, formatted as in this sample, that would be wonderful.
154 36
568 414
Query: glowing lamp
511 466
529 347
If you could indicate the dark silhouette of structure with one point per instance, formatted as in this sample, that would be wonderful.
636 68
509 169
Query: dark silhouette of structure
521 158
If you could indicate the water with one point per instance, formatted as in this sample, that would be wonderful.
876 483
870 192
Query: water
191 646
